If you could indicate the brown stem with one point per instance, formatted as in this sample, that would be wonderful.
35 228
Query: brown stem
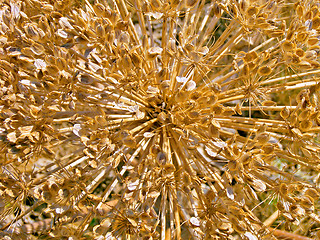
287 235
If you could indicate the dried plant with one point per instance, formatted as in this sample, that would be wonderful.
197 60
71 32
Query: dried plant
153 119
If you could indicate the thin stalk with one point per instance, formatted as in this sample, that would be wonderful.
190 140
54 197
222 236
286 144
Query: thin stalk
163 213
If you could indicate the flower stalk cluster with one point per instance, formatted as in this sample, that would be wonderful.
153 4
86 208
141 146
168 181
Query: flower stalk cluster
152 119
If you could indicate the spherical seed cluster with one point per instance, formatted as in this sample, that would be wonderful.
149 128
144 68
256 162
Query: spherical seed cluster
148 119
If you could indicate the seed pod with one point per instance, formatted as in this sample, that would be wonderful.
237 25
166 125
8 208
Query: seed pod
161 157
31 32
287 46
307 201
61 63
296 132
308 15
262 138
264 71
263 25
156 5
193 114
252 11
213 129
302 36
181 96
296 210
110 37
304 65
313 41
311 54
229 111
126 62
250 56
300 52
240 227
174 3
162 74
268 103
186 179
283 189
162 117
136 60
195 96
300 10
311 192
258 185
189 47
268 149
305 125
316 22
245 158
169 168
153 52
129 141
155 149
217 109
100 30
99 9
191 3
47 196
233 165
285 113
190 86
275 33
165 85
112 16
217 11
293 119
304 115
302 95
243 4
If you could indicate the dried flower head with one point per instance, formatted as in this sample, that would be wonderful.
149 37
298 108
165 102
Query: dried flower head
147 119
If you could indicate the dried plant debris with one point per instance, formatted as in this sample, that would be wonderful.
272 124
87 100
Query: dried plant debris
153 119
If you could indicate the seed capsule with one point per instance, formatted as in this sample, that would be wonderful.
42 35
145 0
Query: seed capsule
312 193
217 109
233 165
268 149
300 10
313 41
301 36
264 71
305 125
285 113
300 52
288 46
129 142
252 11
154 52
99 9
162 117
304 115
213 131
269 103
165 85
262 138
191 3
316 22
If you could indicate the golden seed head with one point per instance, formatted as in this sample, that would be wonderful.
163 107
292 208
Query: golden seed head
170 119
